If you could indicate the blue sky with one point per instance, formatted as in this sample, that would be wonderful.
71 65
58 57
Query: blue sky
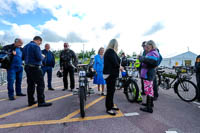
35 18
95 23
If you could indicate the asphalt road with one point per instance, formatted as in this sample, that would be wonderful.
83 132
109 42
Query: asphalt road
170 114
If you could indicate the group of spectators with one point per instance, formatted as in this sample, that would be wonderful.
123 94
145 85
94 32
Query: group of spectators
107 65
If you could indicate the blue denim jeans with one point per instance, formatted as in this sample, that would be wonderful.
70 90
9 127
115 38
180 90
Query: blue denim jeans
14 73
48 69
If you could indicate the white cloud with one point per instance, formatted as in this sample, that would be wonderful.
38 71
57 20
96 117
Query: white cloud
131 19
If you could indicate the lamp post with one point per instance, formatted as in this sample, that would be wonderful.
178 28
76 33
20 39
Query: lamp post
83 51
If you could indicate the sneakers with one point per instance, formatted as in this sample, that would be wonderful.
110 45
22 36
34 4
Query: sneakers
44 104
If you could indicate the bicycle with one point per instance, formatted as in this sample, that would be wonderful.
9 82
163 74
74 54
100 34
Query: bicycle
183 87
84 72
129 83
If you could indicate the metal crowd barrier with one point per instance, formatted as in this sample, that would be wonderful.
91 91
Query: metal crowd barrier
3 76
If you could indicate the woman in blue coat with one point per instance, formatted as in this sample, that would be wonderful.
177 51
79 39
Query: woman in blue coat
98 67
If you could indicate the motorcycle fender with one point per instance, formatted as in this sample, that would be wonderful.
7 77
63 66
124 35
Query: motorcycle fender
176 86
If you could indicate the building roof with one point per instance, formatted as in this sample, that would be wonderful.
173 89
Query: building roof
186 55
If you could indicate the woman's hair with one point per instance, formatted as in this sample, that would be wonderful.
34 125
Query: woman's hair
100 50
113 44
152 43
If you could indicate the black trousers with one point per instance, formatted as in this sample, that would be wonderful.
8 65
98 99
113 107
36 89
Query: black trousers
198 83
155 87
35 79
110 81
69 70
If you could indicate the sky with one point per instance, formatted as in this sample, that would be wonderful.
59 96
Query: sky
174 25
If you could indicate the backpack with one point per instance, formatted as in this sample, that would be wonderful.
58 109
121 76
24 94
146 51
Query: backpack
159 59
5 59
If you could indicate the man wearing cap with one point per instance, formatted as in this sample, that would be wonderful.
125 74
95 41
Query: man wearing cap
33 60
47 64
14 68
67 62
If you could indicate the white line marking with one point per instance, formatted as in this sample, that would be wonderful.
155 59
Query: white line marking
199 107
131 114
196 103
171 131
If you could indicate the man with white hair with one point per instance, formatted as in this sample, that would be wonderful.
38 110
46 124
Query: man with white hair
14 68
48 64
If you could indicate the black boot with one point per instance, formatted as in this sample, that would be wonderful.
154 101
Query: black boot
148 108
145 104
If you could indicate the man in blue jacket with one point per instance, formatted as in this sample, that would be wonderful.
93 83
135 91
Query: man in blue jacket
14 69
33 57
48 64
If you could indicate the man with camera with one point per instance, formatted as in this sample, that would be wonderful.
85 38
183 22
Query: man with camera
33 60
14 68
67 62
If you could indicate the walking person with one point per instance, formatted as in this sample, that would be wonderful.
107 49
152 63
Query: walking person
14 68
67 60
111 72
149 63
48 64
197 68
33 57
98 67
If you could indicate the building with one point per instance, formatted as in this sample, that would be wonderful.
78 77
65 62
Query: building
184 59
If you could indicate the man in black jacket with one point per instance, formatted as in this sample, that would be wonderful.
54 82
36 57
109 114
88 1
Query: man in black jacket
197 67
124 60
48 64
67 60
14 68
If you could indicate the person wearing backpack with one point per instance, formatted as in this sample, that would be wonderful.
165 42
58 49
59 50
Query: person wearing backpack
149 63
14 68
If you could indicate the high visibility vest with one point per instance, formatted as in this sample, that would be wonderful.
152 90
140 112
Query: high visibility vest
137 63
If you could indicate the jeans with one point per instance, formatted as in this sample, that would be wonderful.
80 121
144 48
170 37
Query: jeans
14 73
48 69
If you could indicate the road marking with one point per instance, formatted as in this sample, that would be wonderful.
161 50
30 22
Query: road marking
171 131
119 114
3 100
66 119
199 107
196 103
27 108
131 114
35 105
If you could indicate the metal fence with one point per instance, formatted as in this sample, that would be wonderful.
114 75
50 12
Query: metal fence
3 74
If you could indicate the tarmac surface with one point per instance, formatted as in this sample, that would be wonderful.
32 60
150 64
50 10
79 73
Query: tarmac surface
171 114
